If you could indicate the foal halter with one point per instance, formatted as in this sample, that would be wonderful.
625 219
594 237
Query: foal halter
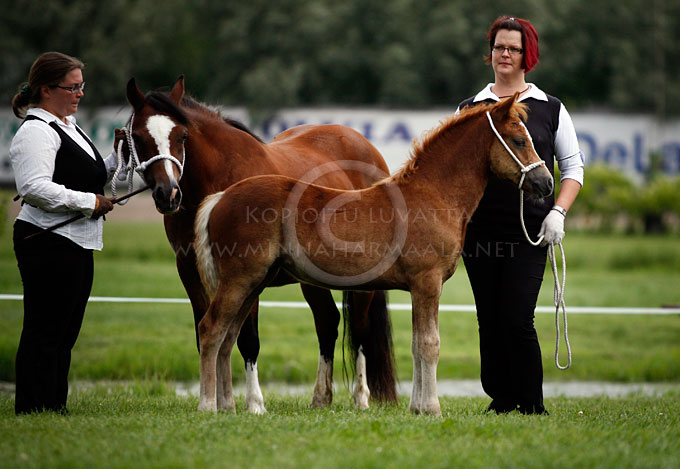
558 291
134 164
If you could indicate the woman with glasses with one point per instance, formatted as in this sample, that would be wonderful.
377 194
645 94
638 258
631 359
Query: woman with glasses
59 173
505 271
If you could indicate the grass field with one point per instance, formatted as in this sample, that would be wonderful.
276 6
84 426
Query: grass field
147 426
138 341
144 424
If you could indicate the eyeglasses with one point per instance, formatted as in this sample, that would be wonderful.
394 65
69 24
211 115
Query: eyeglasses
72 89
511 50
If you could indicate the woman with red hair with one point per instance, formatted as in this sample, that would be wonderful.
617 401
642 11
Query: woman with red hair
505 271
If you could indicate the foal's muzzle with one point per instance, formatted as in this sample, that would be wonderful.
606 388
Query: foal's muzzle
539 184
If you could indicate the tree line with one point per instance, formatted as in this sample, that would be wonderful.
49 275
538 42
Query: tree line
266 54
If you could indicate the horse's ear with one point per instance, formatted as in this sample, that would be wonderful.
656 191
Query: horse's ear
178 90
134 95
501 111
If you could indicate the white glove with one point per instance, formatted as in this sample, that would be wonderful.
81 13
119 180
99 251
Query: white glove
552 228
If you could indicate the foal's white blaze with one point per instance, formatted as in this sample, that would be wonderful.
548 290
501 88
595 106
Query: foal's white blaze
361 392
159 127
254 399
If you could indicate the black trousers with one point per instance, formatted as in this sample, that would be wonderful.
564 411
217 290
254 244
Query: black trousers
506 278
57 277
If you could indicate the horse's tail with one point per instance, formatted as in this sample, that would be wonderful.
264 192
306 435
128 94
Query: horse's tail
205 262
375 338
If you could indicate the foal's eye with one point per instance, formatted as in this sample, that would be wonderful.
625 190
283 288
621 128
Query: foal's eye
519 142
183 138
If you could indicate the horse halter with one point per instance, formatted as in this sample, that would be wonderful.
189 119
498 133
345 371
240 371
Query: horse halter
524 169
134 164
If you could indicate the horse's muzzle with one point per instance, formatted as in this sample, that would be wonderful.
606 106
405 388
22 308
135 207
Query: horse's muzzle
167 199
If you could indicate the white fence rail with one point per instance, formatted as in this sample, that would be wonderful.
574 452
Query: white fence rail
392 306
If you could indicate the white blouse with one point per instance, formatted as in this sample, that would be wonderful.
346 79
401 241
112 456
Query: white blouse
33 153
570 158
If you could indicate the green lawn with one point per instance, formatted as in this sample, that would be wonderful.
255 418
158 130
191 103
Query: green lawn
138 341
145 425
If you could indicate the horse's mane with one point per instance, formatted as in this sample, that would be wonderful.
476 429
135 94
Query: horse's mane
161 102
464 115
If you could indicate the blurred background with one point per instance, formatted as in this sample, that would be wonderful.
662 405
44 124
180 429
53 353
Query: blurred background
389 68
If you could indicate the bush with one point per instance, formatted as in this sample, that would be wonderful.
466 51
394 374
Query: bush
609 200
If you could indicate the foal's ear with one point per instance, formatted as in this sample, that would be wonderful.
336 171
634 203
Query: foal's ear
501 110
178 90
134 95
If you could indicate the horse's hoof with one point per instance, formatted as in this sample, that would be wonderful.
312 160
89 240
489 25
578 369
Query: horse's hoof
362 397
321 400
319 404
256 408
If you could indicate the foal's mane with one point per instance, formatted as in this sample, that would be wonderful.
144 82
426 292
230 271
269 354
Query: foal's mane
161 101
432 136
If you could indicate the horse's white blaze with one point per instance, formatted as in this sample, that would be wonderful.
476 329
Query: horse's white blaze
361 392
205 263
254 399
159 127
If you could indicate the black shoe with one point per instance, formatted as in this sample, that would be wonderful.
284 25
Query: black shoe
501 407
533 409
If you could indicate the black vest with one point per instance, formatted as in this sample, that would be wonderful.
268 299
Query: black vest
498 213
74 168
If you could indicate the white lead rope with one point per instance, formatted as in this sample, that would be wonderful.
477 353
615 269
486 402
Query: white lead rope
558 292
134 163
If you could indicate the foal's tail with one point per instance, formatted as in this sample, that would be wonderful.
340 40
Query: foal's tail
372 330
205 262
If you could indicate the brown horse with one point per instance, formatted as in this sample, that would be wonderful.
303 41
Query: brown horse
187 151
405 232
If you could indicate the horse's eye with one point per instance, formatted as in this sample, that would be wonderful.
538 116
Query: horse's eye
519 142
183 138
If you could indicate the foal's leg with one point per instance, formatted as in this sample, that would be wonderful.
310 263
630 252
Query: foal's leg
212 330
425 298
218 331
326 320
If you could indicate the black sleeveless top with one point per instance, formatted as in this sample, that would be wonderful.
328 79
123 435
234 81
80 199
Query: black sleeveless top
74 168
497 216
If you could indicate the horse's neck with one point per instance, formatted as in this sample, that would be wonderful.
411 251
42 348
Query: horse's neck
213 165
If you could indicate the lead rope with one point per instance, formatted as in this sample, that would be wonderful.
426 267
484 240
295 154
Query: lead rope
559 287
133 164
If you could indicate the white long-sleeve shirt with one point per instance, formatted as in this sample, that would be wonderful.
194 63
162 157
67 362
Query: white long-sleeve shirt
33 154
569 157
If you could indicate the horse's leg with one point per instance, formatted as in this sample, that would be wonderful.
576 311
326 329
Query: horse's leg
356 306
249 346
326 321
361 392
370 331
425 297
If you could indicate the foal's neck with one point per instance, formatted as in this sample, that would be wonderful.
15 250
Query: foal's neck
456 165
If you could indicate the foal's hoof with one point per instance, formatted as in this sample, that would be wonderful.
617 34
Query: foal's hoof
206 407
433 409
